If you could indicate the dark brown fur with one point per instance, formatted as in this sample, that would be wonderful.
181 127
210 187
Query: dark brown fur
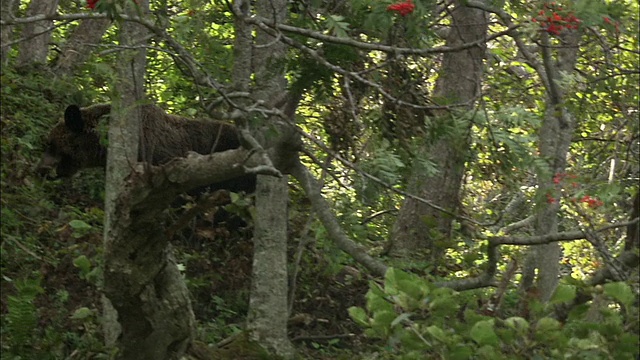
74 144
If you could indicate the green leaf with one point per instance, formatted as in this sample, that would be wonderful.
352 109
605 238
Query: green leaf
83 263
445 301
391 278
488 352
359 315
376 300
381 322
620 291
461 352
517 323
547 324
337 26
82 313
437 333
410 342
79 225
563 293
583 344
95 275
400 319
484 334
628 344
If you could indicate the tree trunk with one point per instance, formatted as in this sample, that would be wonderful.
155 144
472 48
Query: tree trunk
419 226
268 308
554 142
268 312
6 32
141 279
37 35
78 47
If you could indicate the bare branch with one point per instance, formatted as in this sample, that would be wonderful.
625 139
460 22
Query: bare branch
374 46
161 184
549 238
487 278
323 211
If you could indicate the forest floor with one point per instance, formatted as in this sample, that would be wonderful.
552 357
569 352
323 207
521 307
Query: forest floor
216 258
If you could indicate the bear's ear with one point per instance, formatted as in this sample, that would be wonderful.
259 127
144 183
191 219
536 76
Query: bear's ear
73 119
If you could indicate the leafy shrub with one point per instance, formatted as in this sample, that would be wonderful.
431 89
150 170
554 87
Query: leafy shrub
419 320
22 316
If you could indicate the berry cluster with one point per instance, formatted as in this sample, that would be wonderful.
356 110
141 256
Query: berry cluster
591 201
553 19
403 8
610 22
559 179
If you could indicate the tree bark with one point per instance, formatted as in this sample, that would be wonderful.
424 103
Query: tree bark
268 312
77 49
35 49
6 32
141 280
554 142
268 307
123 153
419 226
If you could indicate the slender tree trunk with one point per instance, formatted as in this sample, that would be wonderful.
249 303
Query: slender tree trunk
6 32
268 310
554 142
268 307
141 279
122 154
35 49
419 226
78 47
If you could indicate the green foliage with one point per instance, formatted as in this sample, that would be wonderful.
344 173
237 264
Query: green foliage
80 228
51 230
419 320
22 316
384 164
337 26
505 143
222 325
88 272
564 293
620 292
44 226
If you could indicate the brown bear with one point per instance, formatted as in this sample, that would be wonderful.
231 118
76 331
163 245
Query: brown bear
74 144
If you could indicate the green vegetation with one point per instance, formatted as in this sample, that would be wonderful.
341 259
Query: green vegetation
417 319
370 121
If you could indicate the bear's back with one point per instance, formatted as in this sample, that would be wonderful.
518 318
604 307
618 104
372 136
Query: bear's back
166 136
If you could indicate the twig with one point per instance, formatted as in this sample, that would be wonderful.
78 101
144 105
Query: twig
322 337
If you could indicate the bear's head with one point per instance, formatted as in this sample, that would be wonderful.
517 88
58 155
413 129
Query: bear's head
74 144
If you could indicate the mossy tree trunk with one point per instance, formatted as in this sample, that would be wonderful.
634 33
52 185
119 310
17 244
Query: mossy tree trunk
420 226
141 280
